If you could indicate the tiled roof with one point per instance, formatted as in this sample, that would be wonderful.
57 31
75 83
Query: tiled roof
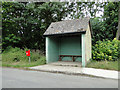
68 26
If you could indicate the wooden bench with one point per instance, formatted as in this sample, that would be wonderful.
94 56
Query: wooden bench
73 57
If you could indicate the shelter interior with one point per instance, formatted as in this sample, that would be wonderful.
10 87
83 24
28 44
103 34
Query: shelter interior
69 45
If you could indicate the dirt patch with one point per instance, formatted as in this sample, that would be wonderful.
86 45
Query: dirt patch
15 63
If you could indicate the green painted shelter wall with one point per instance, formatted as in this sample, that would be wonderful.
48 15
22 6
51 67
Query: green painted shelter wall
52 49
70 46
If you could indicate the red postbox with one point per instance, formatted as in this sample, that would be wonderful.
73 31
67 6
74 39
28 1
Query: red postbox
28 53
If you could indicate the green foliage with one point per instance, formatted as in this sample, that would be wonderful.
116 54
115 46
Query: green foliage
106 50
10 40
27 22
16 56
98 30
82 9
106 26
110 18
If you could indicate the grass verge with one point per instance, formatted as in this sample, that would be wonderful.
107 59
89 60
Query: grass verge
109 65
15 57
21 64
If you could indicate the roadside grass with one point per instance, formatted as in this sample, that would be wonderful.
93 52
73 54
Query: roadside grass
15 57
0 60
22 64
109 65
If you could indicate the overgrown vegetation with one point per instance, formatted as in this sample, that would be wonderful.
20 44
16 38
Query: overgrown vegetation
16 57
105 55
106 50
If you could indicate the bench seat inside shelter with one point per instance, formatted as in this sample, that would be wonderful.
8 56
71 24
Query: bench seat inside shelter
73 57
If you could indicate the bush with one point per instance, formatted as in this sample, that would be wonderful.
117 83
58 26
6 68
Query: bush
106 50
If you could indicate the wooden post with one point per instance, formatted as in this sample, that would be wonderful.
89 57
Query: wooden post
29 59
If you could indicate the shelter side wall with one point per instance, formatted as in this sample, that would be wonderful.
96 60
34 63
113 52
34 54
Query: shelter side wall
70 46
52 49
88 44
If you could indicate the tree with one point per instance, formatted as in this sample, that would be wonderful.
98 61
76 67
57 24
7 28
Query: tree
25 23
98 30
118 31
83 9
110 18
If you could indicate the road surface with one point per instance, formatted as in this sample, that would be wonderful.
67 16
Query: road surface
16 78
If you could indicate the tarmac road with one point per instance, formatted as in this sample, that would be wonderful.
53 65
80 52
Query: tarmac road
16 78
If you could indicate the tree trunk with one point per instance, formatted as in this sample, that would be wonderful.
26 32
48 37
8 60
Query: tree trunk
118 31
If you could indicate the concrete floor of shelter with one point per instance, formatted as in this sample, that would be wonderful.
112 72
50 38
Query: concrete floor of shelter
67 63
